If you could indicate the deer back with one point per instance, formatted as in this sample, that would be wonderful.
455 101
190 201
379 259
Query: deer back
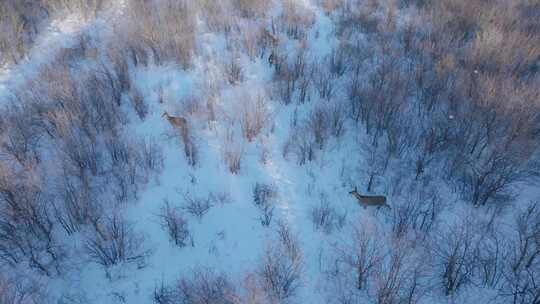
375 200
370 200
177 121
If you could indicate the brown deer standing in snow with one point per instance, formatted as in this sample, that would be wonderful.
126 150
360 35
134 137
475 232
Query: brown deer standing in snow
180 123
176 121
370 200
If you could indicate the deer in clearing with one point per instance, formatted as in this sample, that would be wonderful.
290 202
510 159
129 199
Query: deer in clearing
180 123
175 121
370 200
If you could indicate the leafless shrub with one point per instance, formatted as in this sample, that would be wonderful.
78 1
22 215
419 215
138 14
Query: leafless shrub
293 77
20 290
336 113
523 261
138 103
132 164
251 8
176 225
360 17
76 206
399 276
163 294
253 291
332 5
323 82
220 197
114 241
232 154
295 19
21 142
454 253
20 23
27 227
120 59
89 9
282 266
216 15
337 60
168 32
418 212
264 196
318 124
196 206
150 157
326 218
364 254
256 116
285 89
256 39
490 260
204 286
82 49
234 71
302 144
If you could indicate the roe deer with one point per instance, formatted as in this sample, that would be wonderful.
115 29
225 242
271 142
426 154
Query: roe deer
370 200
176 121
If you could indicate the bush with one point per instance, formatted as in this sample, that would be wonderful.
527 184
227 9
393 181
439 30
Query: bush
256 116
175 224
454 256
326 218
21 290
251 8
87 8
202 286
264 196
282 267
522 259
197 206
20 24
168 32
302 144
114 241
233 154
295 20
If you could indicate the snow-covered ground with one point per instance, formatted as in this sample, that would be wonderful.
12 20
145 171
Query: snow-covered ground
229 238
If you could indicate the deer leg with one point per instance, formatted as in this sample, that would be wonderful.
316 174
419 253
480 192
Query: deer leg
370 183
